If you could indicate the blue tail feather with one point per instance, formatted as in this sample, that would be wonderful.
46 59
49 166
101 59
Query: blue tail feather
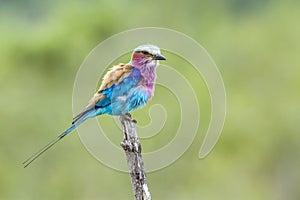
58 138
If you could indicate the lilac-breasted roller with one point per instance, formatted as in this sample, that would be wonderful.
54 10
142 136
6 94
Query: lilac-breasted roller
124 88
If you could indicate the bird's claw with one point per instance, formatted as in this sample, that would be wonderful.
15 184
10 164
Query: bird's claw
127 116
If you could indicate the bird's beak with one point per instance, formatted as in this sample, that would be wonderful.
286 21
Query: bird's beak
159 57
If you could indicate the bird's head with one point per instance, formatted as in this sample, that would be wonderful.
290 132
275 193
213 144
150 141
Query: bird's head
146 56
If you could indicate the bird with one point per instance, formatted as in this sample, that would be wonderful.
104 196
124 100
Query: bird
124 88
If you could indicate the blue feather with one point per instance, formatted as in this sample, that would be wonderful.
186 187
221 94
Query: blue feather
119 98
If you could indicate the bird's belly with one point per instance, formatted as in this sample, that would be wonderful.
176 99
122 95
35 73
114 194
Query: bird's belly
134 99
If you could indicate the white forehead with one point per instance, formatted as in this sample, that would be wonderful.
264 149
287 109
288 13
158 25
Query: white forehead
149 48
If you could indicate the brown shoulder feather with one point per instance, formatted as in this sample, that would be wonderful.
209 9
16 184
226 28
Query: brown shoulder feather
115 75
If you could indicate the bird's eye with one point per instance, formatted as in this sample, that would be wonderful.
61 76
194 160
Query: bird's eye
145 52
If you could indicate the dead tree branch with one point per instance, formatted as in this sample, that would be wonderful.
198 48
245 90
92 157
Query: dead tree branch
133 151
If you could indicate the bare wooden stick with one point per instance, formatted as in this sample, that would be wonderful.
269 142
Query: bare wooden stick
133 151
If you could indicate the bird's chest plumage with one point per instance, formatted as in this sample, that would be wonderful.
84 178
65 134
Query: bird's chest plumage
138 95
148 80
132 93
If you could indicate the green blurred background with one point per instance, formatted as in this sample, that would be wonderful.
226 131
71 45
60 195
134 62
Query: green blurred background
256 46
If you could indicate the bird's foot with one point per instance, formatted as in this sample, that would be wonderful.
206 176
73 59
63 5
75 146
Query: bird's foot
127 116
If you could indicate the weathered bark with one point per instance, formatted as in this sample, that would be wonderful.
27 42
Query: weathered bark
133 151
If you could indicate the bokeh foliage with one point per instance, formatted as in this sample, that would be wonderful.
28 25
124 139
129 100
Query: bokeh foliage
255 45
